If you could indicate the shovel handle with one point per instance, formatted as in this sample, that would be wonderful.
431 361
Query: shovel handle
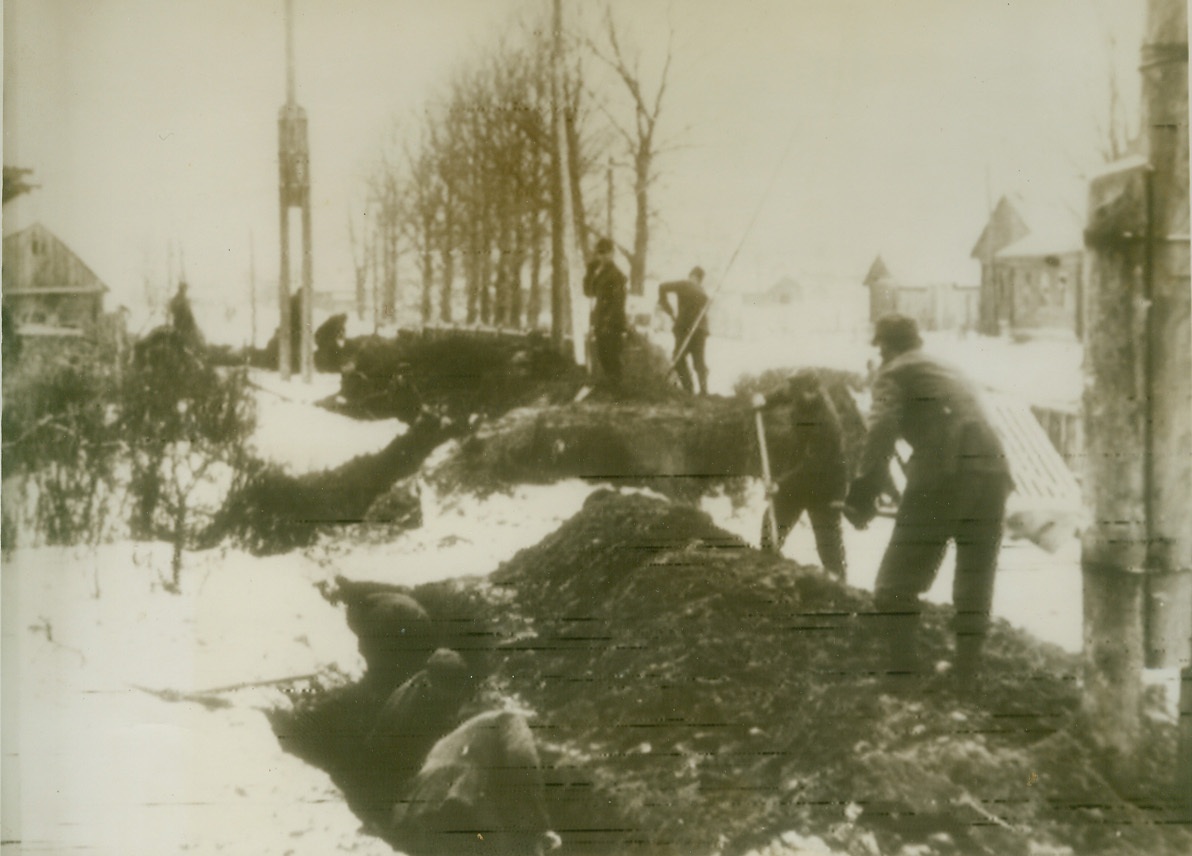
771 518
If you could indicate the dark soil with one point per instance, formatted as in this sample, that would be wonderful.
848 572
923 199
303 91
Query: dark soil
693 695
276 512
679 445
456 373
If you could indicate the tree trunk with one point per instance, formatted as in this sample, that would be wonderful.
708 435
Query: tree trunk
448 284
579 216
428 283
641 223
534 299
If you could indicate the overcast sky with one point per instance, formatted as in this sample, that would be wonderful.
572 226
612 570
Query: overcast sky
847 127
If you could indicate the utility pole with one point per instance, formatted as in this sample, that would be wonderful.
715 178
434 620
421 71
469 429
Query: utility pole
294 191
1137 554
252 290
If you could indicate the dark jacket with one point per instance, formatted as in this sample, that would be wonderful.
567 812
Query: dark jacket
691 299
938 412
816 467
605 282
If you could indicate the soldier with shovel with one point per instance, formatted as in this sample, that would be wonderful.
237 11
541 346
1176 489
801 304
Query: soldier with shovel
814 477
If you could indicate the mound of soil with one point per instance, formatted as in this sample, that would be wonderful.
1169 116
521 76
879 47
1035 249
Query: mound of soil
457 373
679 445
276 512
693 695
681 448
719 691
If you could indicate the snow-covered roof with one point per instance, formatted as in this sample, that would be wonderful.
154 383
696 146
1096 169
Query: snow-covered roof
1040 244
1028 225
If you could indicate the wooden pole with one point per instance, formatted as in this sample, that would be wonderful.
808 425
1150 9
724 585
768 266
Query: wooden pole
308 358
1137 554
283 296
1169 362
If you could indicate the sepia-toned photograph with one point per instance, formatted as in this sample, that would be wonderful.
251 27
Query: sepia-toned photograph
659 427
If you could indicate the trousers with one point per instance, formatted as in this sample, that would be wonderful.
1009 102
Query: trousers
968 509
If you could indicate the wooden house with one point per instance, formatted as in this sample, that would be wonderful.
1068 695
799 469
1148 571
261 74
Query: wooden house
47 287
1032 260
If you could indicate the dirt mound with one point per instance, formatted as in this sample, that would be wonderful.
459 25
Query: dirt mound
681 448
710 690
693 695
679 445
276 512
457 373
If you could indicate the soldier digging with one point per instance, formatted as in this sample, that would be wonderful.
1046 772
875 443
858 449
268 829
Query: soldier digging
957 483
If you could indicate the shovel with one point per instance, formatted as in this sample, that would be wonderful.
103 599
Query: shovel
771 517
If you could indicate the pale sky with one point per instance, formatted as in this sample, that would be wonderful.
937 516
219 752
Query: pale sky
849 127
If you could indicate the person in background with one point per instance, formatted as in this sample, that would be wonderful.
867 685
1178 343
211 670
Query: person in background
957 484
690 327
604 282
814 478
182 318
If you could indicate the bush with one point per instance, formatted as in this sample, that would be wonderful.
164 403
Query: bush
187 426
90 437
61 443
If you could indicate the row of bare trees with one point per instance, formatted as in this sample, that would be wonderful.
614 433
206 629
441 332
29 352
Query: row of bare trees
458 224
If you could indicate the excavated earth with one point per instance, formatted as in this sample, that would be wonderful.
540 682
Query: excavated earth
690 694
693 695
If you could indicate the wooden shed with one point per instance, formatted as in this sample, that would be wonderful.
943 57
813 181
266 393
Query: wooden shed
47 286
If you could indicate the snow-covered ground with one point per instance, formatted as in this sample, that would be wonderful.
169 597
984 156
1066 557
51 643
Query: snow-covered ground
96 762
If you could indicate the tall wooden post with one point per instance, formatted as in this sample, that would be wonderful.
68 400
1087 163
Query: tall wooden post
294 191
1169 360
1137 555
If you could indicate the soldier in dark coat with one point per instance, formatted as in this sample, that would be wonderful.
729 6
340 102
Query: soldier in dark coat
605 282
451 787
691 326
814 477
957 483
182 318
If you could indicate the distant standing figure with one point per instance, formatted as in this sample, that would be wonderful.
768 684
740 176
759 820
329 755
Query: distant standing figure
815 476
690 328
181 316
956 489
329 343
606 283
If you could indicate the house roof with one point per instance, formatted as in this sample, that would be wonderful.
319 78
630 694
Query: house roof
1034 245
13 245
1030 226
877 271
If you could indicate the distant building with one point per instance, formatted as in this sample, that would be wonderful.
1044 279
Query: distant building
935 305
1032 260
785 291
47 288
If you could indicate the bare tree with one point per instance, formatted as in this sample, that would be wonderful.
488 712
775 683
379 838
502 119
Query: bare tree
640 137
359 264
1116 132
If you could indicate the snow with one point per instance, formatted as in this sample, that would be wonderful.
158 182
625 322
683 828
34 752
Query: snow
301 438
106 766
